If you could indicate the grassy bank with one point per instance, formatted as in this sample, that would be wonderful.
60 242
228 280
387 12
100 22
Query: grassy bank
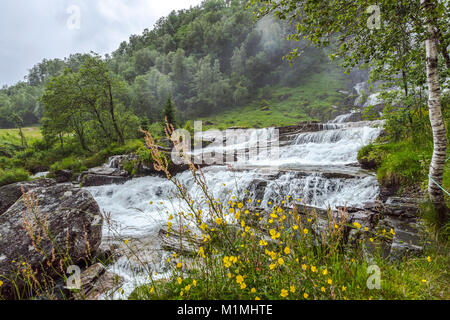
313 99
18 163
33 132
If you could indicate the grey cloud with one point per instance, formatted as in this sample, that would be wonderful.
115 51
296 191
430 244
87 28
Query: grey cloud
33 30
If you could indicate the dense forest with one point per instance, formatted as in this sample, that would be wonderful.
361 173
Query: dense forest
202 62
209 58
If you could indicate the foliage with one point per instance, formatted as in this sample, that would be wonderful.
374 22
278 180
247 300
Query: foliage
13 175
170 113
70 163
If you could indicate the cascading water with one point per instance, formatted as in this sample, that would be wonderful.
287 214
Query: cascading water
306 169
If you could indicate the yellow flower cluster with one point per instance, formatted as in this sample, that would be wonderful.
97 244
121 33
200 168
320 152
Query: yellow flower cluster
228 261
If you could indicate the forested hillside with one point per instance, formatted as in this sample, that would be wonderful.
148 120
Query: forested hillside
209 59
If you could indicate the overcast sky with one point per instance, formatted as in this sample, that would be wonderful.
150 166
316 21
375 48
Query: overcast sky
31 30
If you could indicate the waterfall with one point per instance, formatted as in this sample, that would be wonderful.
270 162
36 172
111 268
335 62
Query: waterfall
298 172
319 168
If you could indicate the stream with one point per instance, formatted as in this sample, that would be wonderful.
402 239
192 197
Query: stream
320 168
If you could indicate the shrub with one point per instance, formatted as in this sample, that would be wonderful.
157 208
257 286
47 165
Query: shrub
70 163
13 175
402 165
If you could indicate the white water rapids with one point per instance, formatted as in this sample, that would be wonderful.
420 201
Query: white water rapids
319 167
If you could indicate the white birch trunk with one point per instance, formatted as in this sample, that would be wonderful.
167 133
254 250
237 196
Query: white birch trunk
436 119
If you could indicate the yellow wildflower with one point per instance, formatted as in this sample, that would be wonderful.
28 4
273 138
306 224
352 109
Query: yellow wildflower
429 259
284 293
305 295
330 281
239 279
219 221
287 250
152 290
180 280
325 272
253 290
357 225
280 261
226 262
179 265
305 231
322 289
257 298
292 289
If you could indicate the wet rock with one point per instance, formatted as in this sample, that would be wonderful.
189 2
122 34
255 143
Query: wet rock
9 194
186 246
62 176
286 133
368 164
95 281
95 180
103 175
46 226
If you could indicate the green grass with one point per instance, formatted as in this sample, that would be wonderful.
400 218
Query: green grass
313 100
33 132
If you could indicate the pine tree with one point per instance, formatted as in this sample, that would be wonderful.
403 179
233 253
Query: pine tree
170 112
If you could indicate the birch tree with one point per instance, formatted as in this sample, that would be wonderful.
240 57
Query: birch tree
364 31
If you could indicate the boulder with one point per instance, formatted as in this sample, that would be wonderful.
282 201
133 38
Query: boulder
103 175
62 176
9 194
44 227
94 180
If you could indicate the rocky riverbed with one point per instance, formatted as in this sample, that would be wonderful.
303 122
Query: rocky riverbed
317 163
